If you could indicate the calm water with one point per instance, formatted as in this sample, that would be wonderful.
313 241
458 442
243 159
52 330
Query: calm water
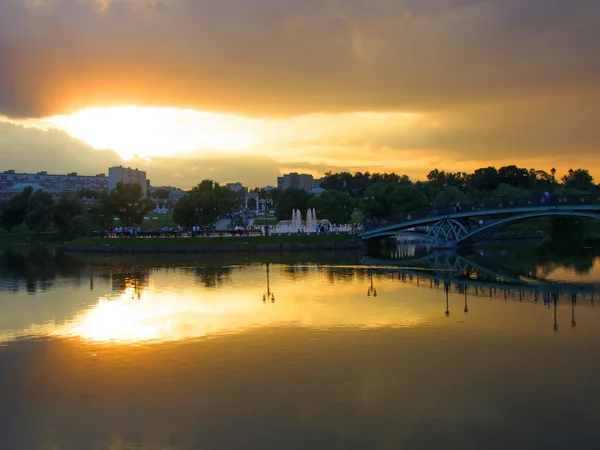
285 353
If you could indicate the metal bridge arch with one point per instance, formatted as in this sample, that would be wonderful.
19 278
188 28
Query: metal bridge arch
477 232
448 230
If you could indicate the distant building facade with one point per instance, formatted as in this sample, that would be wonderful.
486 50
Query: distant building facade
236 187
317 183
71 182
296 181
127 175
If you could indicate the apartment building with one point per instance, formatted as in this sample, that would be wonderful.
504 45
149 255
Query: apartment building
296 181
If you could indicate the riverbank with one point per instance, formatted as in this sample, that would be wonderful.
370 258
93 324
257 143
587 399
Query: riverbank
237 244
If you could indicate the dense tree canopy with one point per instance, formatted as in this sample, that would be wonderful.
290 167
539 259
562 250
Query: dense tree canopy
290 200
39 211
335 206
13 211
204 203
70 216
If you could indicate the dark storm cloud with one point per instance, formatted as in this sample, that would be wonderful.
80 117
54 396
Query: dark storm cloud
291 56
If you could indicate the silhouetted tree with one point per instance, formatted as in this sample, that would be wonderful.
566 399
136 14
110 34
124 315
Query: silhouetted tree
578 179
70 216
335 206
289 200
14 210
39 211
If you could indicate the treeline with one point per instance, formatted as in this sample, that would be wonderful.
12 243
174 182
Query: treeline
374 195
380 195
69 214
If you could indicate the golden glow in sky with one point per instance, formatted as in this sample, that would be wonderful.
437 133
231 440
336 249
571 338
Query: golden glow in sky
148 132
345 139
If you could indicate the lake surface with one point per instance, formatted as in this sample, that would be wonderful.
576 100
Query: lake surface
410 350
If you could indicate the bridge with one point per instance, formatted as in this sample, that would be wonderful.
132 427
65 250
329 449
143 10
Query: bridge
452 225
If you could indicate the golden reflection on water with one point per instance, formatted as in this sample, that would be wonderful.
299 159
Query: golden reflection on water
172 306
160 305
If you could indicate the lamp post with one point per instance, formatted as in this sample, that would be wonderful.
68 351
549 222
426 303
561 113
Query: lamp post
555 302
370 200
573 303
553 172
267 202
268 295
131 205
371 290
447 291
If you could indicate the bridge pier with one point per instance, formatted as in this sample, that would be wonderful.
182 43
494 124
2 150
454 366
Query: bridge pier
441 243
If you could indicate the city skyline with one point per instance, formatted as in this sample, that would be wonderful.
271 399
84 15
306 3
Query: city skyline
234 93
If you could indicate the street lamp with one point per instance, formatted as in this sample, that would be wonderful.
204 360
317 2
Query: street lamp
131 205
447 291
371 290
268 295
370 200
573 303
553 172
267 203
555 301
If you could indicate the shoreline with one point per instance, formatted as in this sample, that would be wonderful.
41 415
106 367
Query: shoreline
291 243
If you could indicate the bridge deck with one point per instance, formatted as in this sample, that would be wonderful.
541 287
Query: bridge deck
564 205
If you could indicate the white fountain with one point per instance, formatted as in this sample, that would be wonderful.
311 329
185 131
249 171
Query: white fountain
305 226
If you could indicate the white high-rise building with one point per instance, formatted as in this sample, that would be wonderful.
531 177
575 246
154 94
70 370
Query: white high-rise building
127 175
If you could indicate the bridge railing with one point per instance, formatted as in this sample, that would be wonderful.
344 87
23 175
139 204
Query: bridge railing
493 204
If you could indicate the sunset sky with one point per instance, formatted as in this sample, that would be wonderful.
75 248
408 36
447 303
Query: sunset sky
244 90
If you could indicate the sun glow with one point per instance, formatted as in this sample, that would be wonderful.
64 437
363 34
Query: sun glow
148 132
153 313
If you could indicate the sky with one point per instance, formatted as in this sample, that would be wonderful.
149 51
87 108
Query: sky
238 90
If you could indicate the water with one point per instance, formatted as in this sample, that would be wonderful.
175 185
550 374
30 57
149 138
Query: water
142 353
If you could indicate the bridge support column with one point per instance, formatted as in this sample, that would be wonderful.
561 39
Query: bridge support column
441 243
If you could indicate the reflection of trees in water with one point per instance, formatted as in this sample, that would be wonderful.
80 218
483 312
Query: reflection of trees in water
37 267
296 271
211 276
341 274
136 280
545 259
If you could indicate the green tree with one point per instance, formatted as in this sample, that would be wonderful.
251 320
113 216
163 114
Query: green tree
186 213
485 179
375 202
103 211
405 198
39 211
160 193
205 202
516 177
335 206
579 179
70 216
88 193
449 196
125 202
14 211
129 204
507 191
289 200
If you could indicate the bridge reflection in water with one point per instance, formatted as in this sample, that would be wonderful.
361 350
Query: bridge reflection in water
455 275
